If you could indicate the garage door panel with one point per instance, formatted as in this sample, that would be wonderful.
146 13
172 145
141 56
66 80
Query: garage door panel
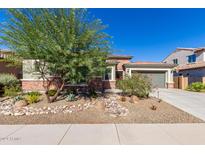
157 78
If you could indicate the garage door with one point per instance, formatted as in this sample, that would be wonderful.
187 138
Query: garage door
157 78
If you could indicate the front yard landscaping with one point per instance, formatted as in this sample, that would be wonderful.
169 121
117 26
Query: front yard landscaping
57 57
109 108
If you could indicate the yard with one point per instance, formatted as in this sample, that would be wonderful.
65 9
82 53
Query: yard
105 109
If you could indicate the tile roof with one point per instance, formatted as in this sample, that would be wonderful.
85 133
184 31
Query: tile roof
199 49
120 56
190 66
149 65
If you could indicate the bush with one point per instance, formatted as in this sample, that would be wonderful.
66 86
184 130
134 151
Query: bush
138 85
92 93
196 86
8 80
52 92
32 97
34 93
11 91
71 97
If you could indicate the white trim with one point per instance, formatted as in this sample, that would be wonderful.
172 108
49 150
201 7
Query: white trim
112 73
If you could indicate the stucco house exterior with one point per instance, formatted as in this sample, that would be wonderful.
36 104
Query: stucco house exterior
190 61
161 74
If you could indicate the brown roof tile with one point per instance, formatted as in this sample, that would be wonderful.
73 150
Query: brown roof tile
190 66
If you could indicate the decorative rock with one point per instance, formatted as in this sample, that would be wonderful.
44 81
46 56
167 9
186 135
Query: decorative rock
109 104
19 114
134 99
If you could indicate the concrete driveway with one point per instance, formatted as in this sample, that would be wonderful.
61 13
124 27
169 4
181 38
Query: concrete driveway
103 134
191 102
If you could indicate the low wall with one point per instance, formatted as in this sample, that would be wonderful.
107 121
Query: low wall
181 82
37 85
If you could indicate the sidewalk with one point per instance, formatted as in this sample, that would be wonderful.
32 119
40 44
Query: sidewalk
103 134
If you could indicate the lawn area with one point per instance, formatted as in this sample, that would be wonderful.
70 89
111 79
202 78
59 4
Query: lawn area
105 109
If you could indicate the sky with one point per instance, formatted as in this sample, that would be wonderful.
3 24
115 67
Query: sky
150 34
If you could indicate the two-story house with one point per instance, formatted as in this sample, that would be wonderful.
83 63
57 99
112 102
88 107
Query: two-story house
190 61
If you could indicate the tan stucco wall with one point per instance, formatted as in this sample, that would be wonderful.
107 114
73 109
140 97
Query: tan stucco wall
28 70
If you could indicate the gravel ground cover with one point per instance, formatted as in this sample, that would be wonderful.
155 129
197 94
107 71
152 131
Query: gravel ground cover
109 109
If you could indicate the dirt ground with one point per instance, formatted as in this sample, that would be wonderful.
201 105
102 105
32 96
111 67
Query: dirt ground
140 112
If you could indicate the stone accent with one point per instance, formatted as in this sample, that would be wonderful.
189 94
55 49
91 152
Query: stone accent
170 85
96 83
109 84
35 85
32 85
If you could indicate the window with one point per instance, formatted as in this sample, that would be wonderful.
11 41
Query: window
36 66
192 58
108 74
175 61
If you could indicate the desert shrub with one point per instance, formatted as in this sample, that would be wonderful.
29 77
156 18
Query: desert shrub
138 85
52 92
196 86
34 93
8 80
71 97
11 91
32 97
92 93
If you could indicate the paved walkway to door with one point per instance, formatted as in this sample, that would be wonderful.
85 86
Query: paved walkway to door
191 102
103 134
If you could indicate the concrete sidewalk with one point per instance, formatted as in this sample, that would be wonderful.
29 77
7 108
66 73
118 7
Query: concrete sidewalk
103 134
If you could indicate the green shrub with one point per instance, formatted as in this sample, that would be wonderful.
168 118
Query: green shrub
138 85
71 97
52 92
34 93
8 80
11 91
196 86
32 97
92 93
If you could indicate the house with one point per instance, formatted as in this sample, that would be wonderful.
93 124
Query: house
190 61
161 74
5 68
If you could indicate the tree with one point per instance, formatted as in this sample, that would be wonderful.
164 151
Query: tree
67 44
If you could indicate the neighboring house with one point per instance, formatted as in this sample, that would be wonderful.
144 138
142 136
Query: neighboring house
160 74
190 61
4 66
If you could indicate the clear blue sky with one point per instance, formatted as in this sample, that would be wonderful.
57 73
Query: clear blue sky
151 34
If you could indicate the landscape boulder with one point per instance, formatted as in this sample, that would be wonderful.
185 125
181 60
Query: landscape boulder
134 99
21 103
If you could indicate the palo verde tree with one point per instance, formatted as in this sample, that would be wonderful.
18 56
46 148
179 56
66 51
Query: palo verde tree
68 45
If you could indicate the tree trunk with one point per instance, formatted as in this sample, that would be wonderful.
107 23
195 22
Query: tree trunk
47 87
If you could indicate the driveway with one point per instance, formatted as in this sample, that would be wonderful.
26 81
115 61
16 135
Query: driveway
191 102
103 134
